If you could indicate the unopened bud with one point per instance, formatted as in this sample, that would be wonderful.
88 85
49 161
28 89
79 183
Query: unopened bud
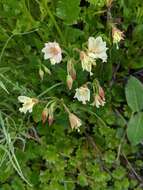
101 93
50 120
109 3
41 73
51 113
47 70
44 115
75 122
69 82
71 70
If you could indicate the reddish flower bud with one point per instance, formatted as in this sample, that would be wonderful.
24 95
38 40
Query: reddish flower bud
101 93
69 82
50 120
71 70
44 115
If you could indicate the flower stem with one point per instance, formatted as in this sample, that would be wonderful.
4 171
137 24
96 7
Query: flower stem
56 25
47 90
93 113
66 108
6 43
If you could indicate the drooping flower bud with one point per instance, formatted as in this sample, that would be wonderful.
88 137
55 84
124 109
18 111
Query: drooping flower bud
51 113
70 69
69 82
101 93
50 119
47 70
75 122
44 115
41 73
99 98
109 3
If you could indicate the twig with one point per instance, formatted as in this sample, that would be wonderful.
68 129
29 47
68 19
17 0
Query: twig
5 45
132 169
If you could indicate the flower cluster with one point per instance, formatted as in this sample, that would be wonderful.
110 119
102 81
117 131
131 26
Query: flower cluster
96 50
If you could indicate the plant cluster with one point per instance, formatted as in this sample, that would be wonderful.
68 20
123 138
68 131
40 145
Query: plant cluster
70 111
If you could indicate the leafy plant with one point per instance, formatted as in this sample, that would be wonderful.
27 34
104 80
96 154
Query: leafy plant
67 143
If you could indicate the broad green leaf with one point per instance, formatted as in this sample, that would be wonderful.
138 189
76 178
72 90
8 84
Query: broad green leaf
134 94
135 128
68 10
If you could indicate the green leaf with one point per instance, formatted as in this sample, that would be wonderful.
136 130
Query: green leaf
97 3
135 129
37 112
82 180
134 92
3 87
68 10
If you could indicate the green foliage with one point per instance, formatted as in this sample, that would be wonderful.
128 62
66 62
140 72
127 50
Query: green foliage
134 89
37 156
66 8
135 130
97 3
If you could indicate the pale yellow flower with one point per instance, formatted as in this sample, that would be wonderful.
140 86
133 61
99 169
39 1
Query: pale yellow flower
99 99
117 36
86 62
27 103
53 52
75 122
82 94
97 48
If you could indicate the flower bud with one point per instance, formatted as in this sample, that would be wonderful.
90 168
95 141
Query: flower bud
101 93
47 70
41 73
69 82
109 3
50 120
51 113
75 122
44 115
71 70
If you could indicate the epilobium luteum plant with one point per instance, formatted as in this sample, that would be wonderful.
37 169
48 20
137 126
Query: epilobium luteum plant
71 118
53 52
